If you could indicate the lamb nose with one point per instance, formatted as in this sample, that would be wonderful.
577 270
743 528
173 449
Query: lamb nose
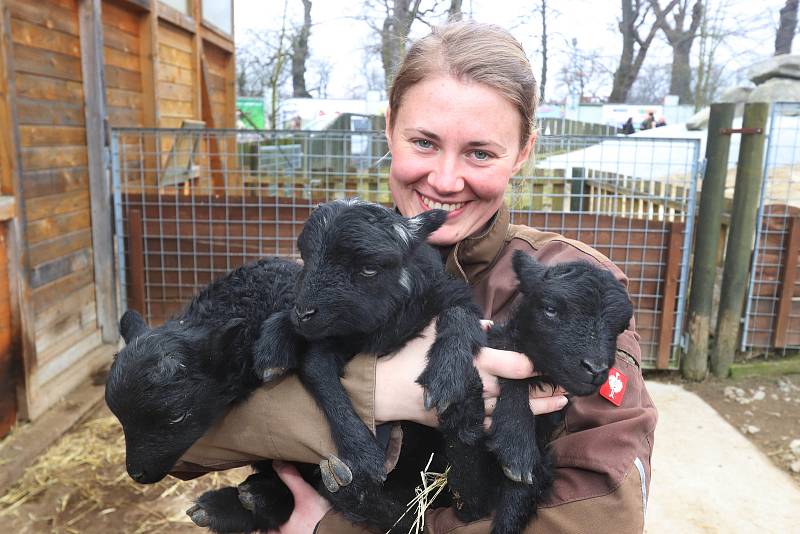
593 368
304 315
137 476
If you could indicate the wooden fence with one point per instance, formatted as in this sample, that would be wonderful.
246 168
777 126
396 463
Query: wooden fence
176 245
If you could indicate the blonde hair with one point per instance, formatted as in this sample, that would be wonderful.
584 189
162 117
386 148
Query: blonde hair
469 50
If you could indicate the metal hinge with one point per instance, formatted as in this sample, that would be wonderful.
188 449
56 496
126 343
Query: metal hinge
743 131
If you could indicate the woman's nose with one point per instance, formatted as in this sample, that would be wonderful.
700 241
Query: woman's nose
446 177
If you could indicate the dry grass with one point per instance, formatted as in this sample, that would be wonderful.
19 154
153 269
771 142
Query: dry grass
80 485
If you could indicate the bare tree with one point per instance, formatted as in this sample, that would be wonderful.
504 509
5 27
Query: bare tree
584 74
634 46
397 18
322 70
786 28
718 24
261 63
681 41
300 53
454 13
651 86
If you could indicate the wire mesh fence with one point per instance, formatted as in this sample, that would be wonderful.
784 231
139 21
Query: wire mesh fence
191 204
772 308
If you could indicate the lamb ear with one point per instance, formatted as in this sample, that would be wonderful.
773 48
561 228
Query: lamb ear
424 224
529 272
132 325
222 338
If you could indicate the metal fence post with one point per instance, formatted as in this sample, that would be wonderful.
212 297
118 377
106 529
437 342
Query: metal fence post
749 175
694 365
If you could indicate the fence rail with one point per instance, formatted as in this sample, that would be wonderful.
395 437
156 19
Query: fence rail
239 199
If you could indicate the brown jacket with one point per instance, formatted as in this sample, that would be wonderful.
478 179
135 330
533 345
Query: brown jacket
602 455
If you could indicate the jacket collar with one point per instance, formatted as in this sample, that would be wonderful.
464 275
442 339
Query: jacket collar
473 257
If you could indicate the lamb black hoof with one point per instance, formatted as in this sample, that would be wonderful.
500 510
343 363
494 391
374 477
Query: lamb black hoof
335 473
199 516
271 373
518 475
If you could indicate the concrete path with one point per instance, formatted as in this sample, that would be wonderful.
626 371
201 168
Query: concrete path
707 477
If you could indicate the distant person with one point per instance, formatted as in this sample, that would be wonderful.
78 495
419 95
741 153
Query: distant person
627 128
661 122
649 122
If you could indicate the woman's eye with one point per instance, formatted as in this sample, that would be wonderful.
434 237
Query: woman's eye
423 143
550 312
480 155
367 271
179 418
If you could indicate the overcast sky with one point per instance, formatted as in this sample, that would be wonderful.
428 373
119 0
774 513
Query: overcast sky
338 37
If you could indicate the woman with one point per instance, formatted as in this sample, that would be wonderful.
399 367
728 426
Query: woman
459 125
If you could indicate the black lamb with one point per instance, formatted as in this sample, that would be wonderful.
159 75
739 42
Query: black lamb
370 284
566 321
169 385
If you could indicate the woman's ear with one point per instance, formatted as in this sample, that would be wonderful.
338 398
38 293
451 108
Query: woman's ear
524 154
388 130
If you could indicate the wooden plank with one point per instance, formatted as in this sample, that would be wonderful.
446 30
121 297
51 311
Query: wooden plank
124 116
123 60
90 19
217 39
46 63
788 273
42 207
49 112
175 91
148 42
24 32
44 296
124 99
22 323
63 245
669 295
46 88
172 56
8 372
217 170
176 38
173 74
46 273
54 181
175 17
53 18
121 18
177 108
70 379
77 300
32 135
73 321
123 78
41 158
119 40
136 262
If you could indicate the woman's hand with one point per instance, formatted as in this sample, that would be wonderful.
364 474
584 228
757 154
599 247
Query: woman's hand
309 506
398 397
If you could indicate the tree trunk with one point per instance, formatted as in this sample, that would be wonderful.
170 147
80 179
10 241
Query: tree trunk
630 62
543 81
300 54
454 13
394 34
786 29
681 41
681 78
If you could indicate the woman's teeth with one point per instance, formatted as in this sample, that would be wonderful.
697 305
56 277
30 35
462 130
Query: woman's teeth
439 206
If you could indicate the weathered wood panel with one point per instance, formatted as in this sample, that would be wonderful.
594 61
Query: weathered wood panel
177 75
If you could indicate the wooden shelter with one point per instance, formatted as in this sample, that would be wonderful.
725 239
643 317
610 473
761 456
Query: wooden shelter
70 69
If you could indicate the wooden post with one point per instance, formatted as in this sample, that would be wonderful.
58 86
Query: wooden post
789 271
94 97
694 365
148 52
578 196
218 175
672 271
749 175
136 262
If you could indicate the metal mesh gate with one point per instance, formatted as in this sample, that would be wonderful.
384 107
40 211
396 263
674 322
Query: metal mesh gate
772 309
192 204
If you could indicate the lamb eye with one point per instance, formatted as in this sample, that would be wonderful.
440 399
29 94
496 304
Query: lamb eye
550 312
179 418
367 271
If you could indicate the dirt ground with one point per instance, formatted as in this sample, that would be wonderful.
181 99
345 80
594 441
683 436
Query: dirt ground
766 409
80 484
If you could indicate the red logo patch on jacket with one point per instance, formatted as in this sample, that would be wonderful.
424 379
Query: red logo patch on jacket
614 388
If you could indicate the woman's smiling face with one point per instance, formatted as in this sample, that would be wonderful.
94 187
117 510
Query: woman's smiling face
454 145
